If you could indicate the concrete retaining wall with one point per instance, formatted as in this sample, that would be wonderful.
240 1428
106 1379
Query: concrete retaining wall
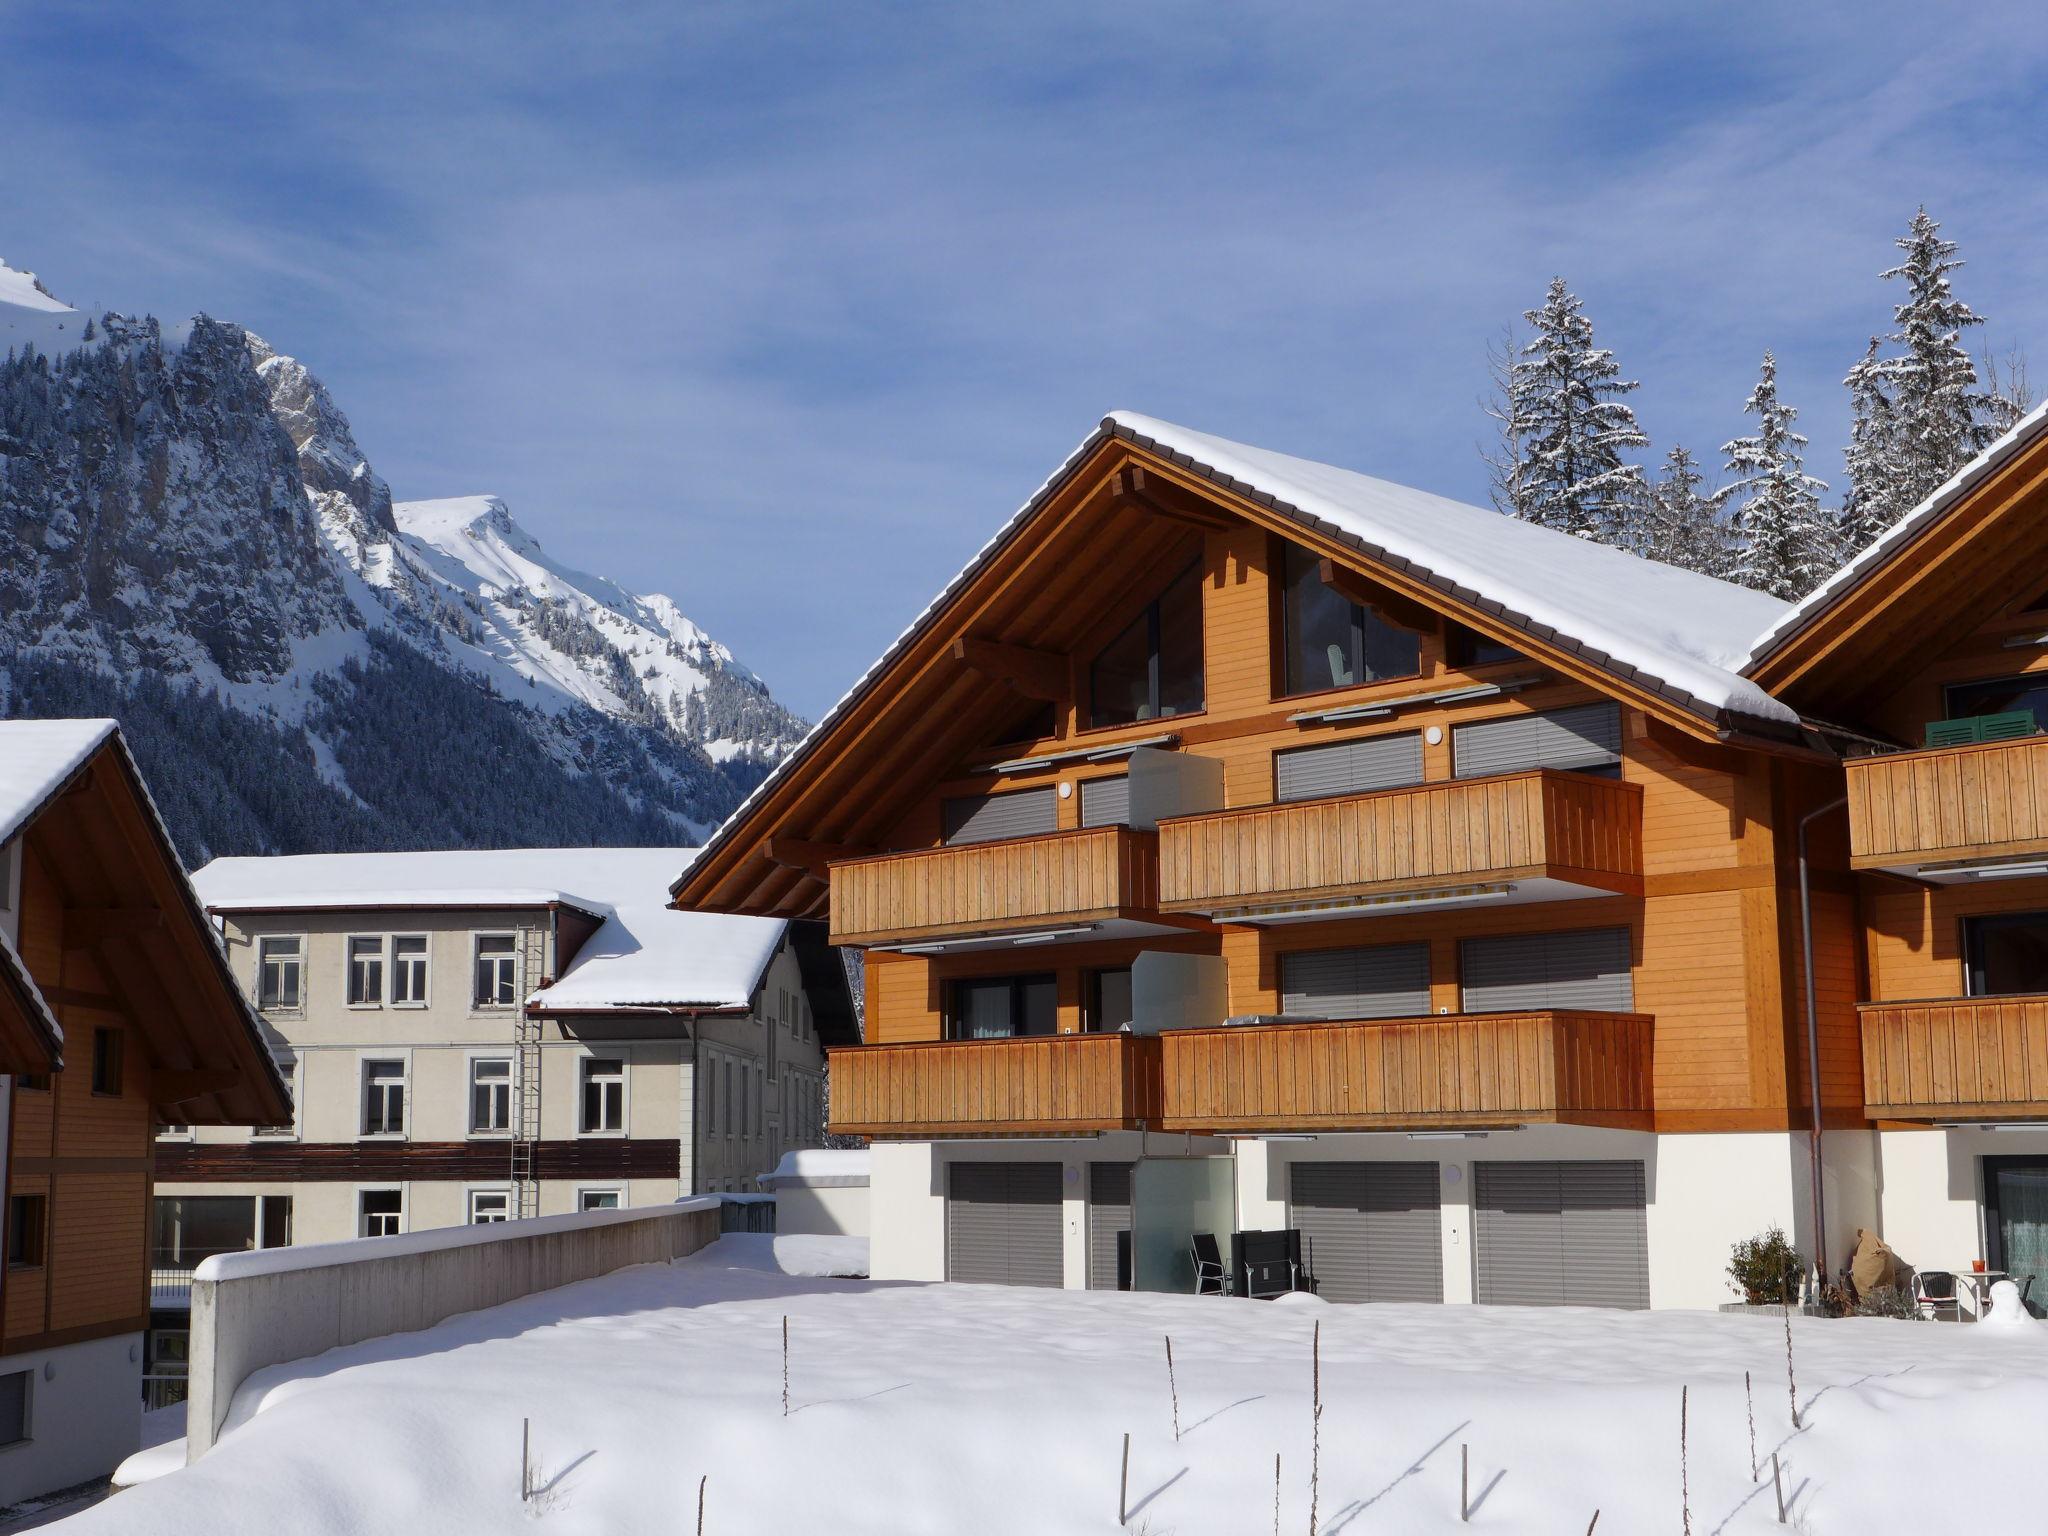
251 1310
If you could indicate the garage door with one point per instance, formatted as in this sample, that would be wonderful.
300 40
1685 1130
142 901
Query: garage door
1109 1215
1370 1231
1003 1223
1561 1234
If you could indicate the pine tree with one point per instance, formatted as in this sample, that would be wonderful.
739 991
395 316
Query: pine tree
1563 427
1941 419
1680 526
1871 504
1788 544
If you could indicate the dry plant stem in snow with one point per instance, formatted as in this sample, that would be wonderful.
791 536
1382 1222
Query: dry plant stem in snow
785 1365
700 1502
525 1460
1592 1522
1749 1406
1276 1493
1315 1427
1777 1487
1123 1487
1684 1477
1464 1482
1173 1387
1791 1384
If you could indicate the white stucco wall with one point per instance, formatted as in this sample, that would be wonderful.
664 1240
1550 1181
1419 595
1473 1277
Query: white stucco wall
833 1210
1932 1196
85 1415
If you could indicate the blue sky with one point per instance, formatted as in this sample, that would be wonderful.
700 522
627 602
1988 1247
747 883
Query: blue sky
782 309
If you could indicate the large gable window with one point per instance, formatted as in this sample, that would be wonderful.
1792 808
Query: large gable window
1154 668
1328 641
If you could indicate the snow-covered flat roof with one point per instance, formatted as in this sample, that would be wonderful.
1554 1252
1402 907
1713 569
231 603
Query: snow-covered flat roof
36 757
643 955
821 1168
1895 538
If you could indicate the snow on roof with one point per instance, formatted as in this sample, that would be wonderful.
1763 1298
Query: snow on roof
821 1168
1675 627
643 954
36 758
1694 629
1893 539
31 995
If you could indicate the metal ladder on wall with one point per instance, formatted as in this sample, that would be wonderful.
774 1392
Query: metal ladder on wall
526 1116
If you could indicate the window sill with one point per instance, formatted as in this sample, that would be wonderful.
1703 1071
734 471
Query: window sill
489 1136
364 1007
24 1269
380 1136
413 1006
602 1135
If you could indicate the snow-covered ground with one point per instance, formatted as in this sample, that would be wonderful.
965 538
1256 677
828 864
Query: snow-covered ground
955 1409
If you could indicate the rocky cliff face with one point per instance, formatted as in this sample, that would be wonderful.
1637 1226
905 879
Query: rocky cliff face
184 512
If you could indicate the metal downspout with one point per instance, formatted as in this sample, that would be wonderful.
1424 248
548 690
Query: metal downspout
1820 1239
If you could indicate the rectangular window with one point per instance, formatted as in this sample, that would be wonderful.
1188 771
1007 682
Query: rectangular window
27 1227
984 818
106 1062
997 1007
774 1051
1578 969
489 1205
710 1096
34 1082
288 1069
1468 648
604 1095
384 1097
490 1095
1585 738
14 1390
380 1213
1106 802
1328 641
280 972
1109 999
1153 669
597 1200
2007 953
731 1103
2000 696
497 970
409 970
274 1221
1380 981
365 972
1348 767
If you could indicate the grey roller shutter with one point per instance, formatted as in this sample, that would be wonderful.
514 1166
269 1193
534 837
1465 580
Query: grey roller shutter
1561 1234
983 818
1003 1223
1586 736
1109 1213
1582 968
1384 981
1106 802
1348 767
1370 1231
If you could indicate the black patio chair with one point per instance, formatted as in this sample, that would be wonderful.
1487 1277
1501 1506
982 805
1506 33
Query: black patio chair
1211 1279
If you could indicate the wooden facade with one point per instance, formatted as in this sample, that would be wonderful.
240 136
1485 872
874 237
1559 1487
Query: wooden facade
1518 826
113 941
1985 801
1092 874
1463 1071
1957 1059
1034 1085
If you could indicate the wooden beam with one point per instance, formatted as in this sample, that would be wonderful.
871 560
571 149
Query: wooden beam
809 857
1033 673
1355 588
168 1088
1131 485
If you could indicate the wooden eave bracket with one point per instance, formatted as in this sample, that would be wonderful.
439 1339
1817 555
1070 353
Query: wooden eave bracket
1132 487
1035 674
1355 588
810 858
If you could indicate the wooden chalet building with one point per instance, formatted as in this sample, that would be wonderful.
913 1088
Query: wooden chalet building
117 1013
1243 843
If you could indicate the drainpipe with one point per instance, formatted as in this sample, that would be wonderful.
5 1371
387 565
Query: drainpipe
1820 1239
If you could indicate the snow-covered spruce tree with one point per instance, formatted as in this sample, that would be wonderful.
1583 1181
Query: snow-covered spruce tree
1680 525
1939 416
1870 505
1787 543
1563 427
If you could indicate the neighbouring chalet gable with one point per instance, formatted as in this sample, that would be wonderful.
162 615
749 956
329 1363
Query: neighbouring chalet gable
1955 589
1010 638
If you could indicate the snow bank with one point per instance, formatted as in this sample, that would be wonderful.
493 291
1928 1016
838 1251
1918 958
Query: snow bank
801 1253
822 1168
932 1410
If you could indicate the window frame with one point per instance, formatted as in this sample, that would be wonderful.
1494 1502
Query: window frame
585 1191
1150 615
1968 927
28 1408
39 1201
1283 652
477 1004
426 997
1091 998
263 942
584 1077
348 968
470 1062
404 1212
291 1066
364 1059
950 1019
470 1195
109 1054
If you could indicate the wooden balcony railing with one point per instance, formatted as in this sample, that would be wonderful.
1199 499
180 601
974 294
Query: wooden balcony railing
1567 826
1455 1071
1985 801
1963 1058
1034 1085
1092 875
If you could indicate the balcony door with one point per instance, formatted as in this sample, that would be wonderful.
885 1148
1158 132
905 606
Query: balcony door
2016 1222
1002 1007
2006 953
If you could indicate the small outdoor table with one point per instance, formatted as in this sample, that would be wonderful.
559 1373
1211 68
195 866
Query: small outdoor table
1980 1282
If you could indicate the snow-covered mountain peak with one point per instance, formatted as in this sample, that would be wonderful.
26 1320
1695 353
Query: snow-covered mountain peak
26 291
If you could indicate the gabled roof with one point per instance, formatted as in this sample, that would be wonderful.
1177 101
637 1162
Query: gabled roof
644 954
31 1039
1668 637
114 859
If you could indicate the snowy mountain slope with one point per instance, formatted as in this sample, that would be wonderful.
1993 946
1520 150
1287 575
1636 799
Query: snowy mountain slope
186 505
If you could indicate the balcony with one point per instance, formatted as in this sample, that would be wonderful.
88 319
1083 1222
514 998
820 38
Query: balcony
1951 813
1094 877
1969 1058
1447 1072
1531 836
1035 1085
